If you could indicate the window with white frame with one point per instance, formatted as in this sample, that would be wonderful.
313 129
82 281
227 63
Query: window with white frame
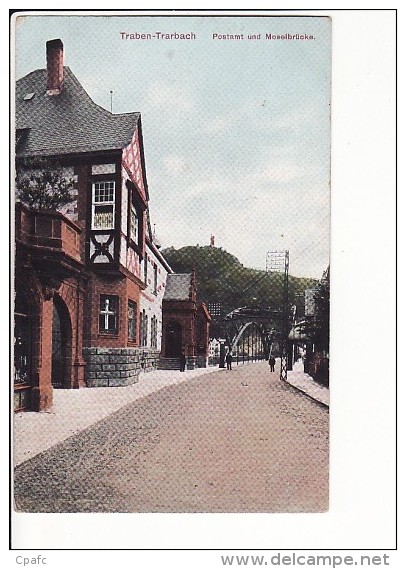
103 206
108 314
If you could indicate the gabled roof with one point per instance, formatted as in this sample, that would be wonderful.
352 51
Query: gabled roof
178 286
68 123
154 249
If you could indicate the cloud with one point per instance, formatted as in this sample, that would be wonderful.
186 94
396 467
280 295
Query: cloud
247 217
174 164
296 118
161 96
281 172
219 124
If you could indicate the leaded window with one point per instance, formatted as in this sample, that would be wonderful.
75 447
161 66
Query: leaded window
103 206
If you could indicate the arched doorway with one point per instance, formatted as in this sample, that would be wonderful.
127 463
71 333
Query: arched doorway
22 353
61 345
173 339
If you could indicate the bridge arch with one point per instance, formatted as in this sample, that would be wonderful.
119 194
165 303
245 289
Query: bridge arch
250 343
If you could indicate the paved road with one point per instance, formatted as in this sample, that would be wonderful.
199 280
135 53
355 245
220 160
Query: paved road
232 441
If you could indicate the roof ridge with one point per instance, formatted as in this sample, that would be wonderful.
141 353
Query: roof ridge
67 68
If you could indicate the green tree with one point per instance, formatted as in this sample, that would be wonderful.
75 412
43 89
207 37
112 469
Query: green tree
42 185
320 329
222 278
317 330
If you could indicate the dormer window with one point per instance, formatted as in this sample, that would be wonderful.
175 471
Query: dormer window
103 205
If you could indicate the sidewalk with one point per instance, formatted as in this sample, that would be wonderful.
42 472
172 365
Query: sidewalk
76 409
304 382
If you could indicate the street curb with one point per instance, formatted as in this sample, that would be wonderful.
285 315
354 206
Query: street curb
308 395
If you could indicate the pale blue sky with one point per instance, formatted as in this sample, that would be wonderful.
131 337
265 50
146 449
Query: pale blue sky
236 133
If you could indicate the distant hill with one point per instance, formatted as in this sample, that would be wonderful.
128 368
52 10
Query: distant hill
222 278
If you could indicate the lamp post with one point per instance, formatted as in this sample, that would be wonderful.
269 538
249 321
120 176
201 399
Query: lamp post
278 262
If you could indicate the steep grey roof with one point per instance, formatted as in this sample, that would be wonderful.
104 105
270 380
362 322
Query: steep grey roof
177 286
66 123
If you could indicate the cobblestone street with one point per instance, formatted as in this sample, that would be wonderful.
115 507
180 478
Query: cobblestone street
229 441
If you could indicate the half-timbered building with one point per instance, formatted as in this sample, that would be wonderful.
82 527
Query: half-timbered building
89 280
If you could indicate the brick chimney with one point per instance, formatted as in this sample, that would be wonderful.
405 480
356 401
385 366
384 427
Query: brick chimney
54 67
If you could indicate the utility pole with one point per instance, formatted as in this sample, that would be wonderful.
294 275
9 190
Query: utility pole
278 262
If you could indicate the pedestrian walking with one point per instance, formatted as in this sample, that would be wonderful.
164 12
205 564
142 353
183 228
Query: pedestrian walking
229 359
272 363
182 361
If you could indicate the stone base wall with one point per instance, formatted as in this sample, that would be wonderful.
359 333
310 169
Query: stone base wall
117 367
149 359
111 367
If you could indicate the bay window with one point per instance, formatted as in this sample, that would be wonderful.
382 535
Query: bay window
103 205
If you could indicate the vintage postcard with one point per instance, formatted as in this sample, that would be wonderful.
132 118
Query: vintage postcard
172 253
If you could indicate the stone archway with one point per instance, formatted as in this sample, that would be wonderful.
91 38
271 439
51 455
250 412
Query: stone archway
173 339
61 345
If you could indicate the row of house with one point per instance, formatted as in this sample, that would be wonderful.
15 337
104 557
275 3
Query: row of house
95 300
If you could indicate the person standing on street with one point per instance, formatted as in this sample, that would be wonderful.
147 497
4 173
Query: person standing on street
272 363
182 361
229 359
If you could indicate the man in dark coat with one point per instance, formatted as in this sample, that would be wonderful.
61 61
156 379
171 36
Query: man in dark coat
272 362
182 361
229 359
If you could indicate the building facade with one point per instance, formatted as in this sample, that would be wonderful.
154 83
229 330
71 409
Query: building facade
185 323
89 280
155 270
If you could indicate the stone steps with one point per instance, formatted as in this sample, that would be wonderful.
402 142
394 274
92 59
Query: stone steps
169 363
